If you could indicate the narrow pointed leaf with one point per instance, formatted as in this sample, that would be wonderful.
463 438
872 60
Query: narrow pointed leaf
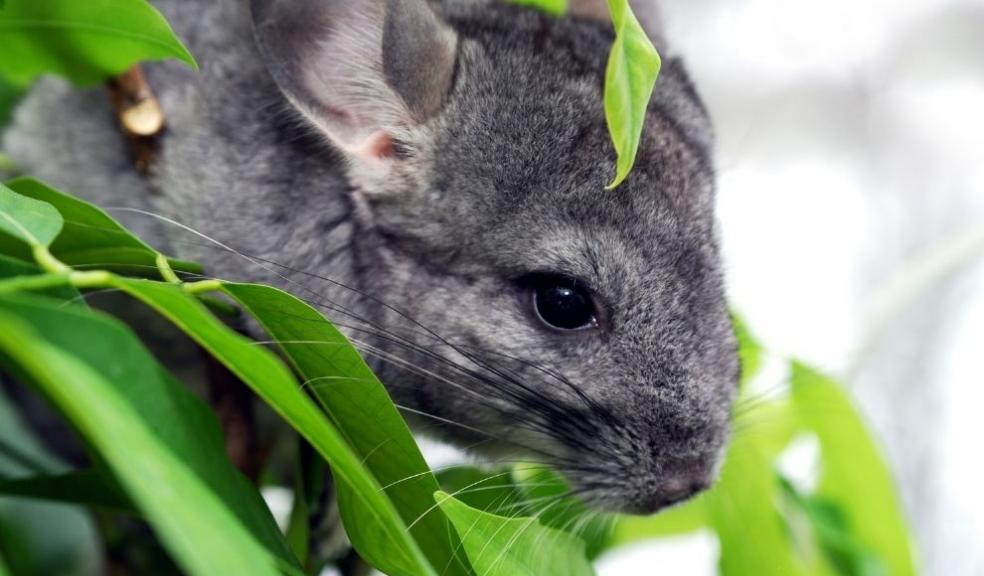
193 523
742 509
84 487
633 66
91 238
550 500
835 547
492 491
390 548
30 221
360 407
500 546
39 537
85 42
177 417
854 476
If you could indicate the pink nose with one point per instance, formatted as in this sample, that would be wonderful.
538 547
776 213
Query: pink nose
678 488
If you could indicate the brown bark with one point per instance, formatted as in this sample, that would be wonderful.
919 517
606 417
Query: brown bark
140 115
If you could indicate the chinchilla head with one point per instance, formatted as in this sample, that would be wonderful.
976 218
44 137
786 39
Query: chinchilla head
584 326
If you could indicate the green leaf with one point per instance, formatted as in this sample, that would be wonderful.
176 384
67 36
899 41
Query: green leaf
176 416
380 536
743 512
9 95
749 349
360 407
309 477
204 536
28 220
742 508
682 519
91 238
552 7
43 538
85 42
549 498
840 550
84 487
854 475
492 491
40 537
633 66
21 452
500 546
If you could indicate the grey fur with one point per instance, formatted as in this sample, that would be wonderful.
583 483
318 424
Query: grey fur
504 179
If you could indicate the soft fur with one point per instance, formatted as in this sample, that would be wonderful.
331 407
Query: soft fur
411 220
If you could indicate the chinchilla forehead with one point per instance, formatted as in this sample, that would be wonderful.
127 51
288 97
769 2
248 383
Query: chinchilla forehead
522 150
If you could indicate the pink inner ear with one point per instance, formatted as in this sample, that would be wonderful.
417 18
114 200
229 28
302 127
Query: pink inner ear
377 146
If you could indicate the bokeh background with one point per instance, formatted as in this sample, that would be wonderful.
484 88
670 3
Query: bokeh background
851 173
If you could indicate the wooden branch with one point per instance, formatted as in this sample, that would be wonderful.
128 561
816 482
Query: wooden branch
140 116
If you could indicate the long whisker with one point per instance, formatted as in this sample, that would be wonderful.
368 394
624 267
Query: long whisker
564 424
551 457
259 261
533 425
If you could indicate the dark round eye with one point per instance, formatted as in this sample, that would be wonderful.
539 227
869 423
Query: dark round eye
560 303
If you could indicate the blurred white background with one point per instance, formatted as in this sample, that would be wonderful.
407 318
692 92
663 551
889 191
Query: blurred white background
851 160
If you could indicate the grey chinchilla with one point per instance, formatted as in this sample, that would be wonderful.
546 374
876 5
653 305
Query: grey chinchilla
433 175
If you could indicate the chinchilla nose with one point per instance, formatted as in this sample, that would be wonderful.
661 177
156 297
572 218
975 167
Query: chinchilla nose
675 484
680 487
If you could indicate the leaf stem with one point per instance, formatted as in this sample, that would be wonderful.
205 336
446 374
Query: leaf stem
166 271
28 283
47 261
81 280
91 279
203 286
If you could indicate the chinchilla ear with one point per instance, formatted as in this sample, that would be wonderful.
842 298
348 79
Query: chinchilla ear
360 70
646 11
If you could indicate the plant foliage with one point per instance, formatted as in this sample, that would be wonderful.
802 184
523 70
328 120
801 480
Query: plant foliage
83 41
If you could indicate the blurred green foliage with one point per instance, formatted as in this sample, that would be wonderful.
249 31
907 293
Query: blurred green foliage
552 7
509 546
83 41
9 95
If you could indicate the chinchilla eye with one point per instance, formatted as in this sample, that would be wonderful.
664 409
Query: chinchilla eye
559 302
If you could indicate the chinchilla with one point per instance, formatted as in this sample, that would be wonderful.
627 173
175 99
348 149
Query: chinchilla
433 175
